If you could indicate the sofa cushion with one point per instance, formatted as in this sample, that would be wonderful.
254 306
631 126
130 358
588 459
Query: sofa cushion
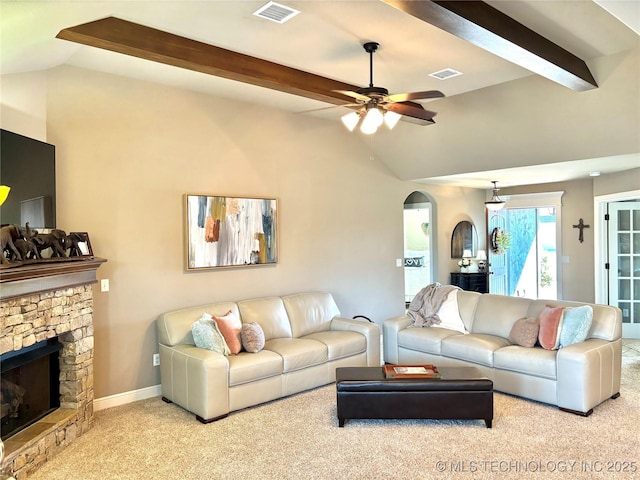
575 325
428 340
230 326
496 314
550 326
298 353
252 337
475 348
270 313
340 344
525 332
310 312
207 335
249 367
530 361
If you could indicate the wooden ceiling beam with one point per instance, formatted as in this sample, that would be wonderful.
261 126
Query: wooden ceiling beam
492 30
137 40
148 43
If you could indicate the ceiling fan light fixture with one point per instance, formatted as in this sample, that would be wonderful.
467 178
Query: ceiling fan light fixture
372 120
375 115
350 120
391 119
496 203
368 128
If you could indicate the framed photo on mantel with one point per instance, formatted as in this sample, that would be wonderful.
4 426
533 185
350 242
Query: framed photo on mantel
222 231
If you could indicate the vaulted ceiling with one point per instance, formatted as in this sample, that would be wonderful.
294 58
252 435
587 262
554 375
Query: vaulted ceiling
490 43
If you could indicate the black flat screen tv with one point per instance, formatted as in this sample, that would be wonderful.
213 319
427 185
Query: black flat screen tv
28 166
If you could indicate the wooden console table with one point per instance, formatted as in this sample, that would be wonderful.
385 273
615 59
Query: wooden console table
474 282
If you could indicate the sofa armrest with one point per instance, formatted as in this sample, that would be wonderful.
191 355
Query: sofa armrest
196 379
588 373
390 329
371 332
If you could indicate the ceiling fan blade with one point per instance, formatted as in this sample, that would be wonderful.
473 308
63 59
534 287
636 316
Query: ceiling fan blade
413 112
356 95
403 97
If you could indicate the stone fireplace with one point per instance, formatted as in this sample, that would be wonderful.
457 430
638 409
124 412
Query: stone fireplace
44 304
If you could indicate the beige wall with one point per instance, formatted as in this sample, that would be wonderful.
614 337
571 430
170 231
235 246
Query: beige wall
127 152
627 181
23 104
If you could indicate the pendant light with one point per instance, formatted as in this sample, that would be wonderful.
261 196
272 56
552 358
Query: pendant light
496 203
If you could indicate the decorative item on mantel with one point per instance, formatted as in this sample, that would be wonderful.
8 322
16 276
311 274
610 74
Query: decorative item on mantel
465 263
581 226
26 246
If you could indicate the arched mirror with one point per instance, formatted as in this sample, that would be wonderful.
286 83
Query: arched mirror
464 237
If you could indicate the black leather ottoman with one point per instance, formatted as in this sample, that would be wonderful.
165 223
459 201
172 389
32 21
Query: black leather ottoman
460 393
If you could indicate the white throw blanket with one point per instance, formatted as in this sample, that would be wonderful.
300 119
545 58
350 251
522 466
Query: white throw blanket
424 307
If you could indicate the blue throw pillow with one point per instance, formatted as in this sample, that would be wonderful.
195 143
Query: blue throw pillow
207 335
575 325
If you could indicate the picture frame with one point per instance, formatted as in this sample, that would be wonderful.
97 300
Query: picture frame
230 231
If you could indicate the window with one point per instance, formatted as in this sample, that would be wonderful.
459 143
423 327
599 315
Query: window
529 265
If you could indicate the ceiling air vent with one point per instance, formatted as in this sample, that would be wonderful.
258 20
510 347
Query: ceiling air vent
275 12
445 74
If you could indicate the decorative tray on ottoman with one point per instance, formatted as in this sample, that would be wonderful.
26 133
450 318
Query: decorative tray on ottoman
411 371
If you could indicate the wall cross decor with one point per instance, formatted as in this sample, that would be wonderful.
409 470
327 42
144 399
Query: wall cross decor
581 226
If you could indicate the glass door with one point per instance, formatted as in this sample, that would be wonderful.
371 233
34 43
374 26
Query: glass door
523 252
624 264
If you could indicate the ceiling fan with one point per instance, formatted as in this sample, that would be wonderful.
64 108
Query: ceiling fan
377 106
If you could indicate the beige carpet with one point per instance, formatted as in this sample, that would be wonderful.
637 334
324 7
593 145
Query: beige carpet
298 438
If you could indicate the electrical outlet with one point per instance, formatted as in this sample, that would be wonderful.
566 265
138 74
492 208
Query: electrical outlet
156 359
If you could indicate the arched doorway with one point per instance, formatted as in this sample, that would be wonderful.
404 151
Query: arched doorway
419 243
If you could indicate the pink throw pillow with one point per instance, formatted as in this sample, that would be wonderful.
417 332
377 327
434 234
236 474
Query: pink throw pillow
550 327
230 326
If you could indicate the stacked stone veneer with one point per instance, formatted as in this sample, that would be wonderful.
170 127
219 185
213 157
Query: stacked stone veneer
68 314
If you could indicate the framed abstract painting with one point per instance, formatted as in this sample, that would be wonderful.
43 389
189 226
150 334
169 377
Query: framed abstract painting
223 231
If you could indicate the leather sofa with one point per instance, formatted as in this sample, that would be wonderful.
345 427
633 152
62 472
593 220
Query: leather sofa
305 340
576 378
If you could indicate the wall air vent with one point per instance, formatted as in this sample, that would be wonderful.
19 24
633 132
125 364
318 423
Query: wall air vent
445 74
275 12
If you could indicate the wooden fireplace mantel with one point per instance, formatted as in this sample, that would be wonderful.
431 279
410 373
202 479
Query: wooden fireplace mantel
43 277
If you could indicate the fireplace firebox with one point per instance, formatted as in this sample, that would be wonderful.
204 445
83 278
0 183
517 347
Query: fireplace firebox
30 386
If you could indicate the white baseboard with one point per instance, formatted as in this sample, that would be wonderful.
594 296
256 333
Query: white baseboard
126 397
